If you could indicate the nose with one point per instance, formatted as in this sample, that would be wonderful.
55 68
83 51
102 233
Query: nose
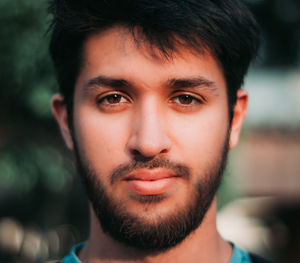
148 136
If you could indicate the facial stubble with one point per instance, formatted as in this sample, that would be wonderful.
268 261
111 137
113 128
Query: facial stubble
165 233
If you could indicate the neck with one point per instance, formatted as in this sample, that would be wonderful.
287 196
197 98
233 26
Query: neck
203 245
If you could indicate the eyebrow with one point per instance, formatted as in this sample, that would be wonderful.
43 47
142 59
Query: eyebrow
107 82
173 83
196 82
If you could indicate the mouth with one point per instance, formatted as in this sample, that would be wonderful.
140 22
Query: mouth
151 182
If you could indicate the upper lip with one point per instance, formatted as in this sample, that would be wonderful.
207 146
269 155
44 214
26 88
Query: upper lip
150 175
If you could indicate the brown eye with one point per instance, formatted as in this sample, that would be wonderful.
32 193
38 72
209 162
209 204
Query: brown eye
186 99
113 102
113 99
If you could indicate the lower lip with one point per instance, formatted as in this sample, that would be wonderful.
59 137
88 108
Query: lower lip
154 187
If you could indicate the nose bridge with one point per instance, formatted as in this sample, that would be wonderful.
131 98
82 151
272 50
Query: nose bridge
150 120
149 136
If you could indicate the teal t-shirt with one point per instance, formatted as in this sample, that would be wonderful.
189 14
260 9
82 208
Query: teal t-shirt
238 255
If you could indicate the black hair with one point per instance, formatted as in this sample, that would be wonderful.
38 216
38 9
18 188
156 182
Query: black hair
225 28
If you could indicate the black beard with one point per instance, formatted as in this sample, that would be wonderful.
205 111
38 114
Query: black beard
158 235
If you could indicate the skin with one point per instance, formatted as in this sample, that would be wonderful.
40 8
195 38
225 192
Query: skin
150 117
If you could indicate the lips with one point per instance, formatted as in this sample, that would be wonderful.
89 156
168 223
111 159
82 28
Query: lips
150 182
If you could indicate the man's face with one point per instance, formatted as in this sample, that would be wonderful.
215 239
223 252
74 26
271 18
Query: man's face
151 136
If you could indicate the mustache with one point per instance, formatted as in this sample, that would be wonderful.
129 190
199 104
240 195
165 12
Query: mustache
124 170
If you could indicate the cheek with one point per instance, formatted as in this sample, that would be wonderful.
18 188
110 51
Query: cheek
199 138
101 138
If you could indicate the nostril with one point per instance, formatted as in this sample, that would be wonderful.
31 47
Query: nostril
142 159
135 152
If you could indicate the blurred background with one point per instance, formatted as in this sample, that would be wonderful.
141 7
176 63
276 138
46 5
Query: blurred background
42 209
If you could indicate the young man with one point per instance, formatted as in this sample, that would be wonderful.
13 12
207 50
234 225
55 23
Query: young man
150 102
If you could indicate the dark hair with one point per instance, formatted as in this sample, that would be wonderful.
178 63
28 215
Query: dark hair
226 28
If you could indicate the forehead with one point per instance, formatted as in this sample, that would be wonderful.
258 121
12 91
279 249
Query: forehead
115 53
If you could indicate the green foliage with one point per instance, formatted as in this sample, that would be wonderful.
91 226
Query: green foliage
23 165
27 84
26 69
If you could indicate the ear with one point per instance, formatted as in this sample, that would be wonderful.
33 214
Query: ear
239 114
59 109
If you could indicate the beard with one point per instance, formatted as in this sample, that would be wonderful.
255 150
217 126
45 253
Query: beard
161 233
